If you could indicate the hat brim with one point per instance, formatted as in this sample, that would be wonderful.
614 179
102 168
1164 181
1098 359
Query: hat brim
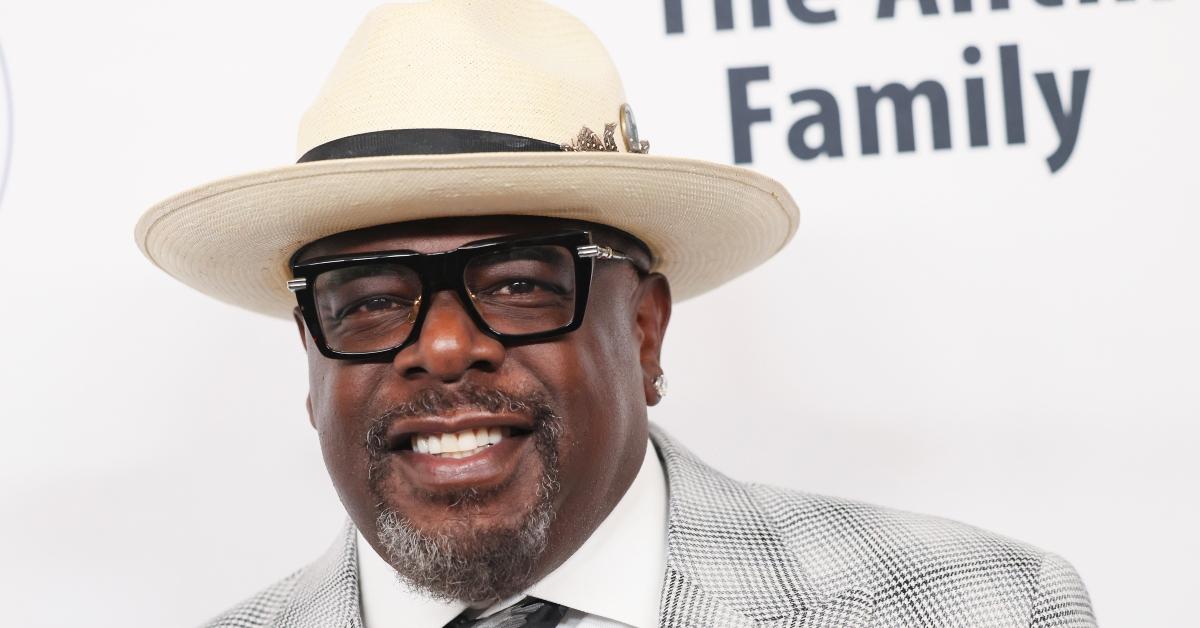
705 223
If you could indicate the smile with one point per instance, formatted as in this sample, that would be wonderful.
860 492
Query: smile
460 444
469 450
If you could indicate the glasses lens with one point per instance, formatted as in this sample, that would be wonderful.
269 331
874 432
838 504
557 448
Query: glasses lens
367 308
523 290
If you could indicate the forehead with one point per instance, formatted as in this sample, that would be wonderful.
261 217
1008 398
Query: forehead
441 234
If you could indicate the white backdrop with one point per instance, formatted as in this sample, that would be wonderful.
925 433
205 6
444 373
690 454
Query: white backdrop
959 331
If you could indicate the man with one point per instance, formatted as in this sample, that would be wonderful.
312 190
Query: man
481 258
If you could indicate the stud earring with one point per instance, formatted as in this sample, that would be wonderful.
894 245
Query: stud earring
660 385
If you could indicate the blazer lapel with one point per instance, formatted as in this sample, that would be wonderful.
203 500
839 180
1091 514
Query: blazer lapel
326 593
727 565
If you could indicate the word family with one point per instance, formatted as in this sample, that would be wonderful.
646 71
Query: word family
820 133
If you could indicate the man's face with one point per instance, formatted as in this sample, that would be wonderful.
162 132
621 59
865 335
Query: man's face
570 412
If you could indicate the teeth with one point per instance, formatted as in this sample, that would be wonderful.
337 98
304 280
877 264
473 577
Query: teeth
459 444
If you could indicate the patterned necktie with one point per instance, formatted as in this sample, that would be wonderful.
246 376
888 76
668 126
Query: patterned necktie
528 613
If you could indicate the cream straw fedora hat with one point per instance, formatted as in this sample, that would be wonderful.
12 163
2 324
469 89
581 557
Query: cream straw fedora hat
467 108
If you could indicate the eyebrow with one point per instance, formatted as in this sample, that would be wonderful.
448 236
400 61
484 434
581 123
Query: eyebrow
341 276
535 252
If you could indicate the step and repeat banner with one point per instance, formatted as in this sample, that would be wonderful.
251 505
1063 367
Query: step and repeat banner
988 312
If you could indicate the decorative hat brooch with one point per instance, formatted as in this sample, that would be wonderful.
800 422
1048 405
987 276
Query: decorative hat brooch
588 140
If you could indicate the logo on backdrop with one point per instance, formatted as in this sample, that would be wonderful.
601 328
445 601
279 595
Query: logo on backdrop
1061 94
6 124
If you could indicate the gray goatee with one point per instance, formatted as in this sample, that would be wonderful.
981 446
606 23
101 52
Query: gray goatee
461 560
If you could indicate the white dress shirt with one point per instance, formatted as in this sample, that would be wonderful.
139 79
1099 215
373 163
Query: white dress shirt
614 580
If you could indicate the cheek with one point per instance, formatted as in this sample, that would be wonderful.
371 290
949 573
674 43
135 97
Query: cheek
325 392
340 394
597 370
612 348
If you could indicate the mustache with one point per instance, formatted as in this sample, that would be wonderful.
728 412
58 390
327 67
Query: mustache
441 402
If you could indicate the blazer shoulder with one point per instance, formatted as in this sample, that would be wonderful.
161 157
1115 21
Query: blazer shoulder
323 594
261 609
922 569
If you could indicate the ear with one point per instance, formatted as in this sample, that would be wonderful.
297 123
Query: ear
299 318
653 313
312 420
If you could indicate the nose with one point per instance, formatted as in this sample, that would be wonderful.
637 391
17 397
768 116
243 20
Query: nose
450 344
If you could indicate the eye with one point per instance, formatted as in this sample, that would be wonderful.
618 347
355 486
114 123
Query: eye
523 287
378 303
516 287
375 304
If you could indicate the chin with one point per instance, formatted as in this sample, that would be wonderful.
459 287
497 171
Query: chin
460 512
470 546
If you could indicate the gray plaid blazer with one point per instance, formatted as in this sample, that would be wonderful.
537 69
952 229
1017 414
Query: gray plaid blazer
743 555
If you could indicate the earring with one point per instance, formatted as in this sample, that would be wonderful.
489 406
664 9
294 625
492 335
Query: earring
660 385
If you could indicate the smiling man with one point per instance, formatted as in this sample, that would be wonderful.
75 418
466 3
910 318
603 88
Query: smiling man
481 257
500 430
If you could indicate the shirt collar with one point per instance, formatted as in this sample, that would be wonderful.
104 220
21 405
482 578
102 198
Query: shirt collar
617 573
386 601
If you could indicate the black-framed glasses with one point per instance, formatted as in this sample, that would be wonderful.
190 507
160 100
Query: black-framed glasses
516 289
